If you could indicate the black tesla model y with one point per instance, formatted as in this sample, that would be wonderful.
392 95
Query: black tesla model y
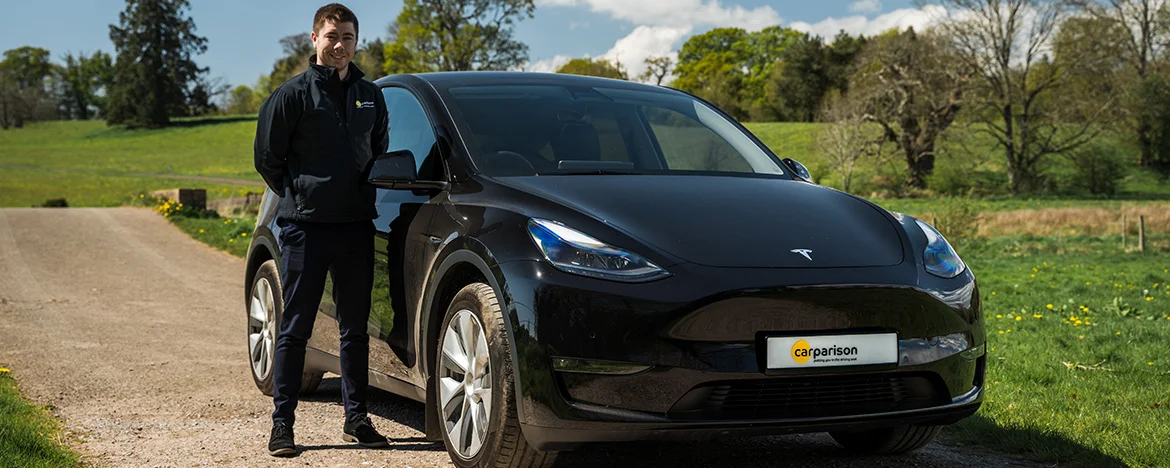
564 259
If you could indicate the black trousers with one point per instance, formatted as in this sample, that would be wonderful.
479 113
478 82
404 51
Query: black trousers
309 250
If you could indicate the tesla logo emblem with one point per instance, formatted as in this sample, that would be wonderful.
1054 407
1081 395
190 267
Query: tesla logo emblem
804 252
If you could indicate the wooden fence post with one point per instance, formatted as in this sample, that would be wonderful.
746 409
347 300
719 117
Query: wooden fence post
1124 228
1142 233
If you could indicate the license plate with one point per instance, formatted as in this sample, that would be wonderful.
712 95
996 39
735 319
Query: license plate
795 352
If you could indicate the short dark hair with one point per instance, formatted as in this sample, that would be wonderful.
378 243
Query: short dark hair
336 13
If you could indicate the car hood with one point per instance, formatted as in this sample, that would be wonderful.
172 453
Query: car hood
725 221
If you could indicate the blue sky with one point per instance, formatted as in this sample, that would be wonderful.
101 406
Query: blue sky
242 34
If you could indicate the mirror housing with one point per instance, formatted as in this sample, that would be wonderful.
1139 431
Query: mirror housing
396 171
798 170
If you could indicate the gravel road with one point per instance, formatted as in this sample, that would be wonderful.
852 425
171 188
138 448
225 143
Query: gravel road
135 335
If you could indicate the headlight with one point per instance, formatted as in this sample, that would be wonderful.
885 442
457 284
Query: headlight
939 257
574 252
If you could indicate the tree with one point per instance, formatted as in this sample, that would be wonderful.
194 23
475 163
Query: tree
799 82
593 67
370 57
242 100
850 138
83 83
1139 31
913 86
295 51
23 86
456 35
711 66
657 69
732 68
1018 97
155 72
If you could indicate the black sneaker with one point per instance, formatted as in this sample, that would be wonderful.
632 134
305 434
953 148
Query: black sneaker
364 434
281 443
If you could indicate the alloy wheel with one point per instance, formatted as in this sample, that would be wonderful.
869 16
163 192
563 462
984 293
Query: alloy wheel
465 384
261 329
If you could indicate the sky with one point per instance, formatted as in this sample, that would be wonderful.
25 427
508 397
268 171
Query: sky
243 35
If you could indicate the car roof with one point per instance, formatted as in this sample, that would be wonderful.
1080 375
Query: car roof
447 80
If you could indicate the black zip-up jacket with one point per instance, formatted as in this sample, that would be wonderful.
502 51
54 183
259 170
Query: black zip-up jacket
316 138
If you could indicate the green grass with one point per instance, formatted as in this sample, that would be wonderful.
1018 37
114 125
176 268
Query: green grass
226 234
222 148
27 432
31 187
1077 335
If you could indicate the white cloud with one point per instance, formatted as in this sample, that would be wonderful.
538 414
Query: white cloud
677 13
645 42
866 6
900 19
548 65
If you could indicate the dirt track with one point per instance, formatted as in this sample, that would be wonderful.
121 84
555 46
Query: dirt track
135 333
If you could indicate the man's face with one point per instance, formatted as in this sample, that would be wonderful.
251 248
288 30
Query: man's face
335 44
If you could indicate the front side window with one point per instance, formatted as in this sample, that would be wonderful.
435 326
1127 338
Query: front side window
410 129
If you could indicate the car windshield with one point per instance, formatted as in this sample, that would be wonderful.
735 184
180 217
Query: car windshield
524 130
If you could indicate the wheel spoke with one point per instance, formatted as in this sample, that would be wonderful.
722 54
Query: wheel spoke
450 390
256 312
465 430
466 335
254 343
472 426
453 354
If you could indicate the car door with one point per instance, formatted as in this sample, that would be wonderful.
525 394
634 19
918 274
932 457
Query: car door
400 243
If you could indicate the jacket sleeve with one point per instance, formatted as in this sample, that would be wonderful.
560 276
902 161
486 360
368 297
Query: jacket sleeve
274 127
380 135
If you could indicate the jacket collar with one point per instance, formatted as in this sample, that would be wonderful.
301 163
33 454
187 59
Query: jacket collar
329 73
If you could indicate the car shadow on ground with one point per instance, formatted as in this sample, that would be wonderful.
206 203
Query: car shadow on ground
804 450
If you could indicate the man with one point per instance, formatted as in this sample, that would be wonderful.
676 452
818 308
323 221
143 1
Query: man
315 139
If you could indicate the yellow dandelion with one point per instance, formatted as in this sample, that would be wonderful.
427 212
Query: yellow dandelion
1009 330
1148 298
1036 316
998 316
993 293
141 196
1049 306
1001 332
243 234
201 231
4 371
1033 276
231 240
1150 363
1018 318
1088 283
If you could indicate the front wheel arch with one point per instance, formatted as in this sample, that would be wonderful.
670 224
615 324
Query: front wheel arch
457 270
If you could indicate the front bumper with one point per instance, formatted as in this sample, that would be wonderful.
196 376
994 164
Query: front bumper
612 425
696 337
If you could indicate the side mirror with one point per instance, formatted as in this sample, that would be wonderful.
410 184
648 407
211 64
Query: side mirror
798 170
396 170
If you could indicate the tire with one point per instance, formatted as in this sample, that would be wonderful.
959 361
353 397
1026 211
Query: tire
502 443
887 441
267 294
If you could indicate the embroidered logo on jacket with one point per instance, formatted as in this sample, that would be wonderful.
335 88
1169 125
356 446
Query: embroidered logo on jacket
365 105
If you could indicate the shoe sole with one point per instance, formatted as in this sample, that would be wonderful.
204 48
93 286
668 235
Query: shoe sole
349 438
284 452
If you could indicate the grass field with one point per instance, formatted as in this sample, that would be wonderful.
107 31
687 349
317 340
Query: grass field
27 433
1078 371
